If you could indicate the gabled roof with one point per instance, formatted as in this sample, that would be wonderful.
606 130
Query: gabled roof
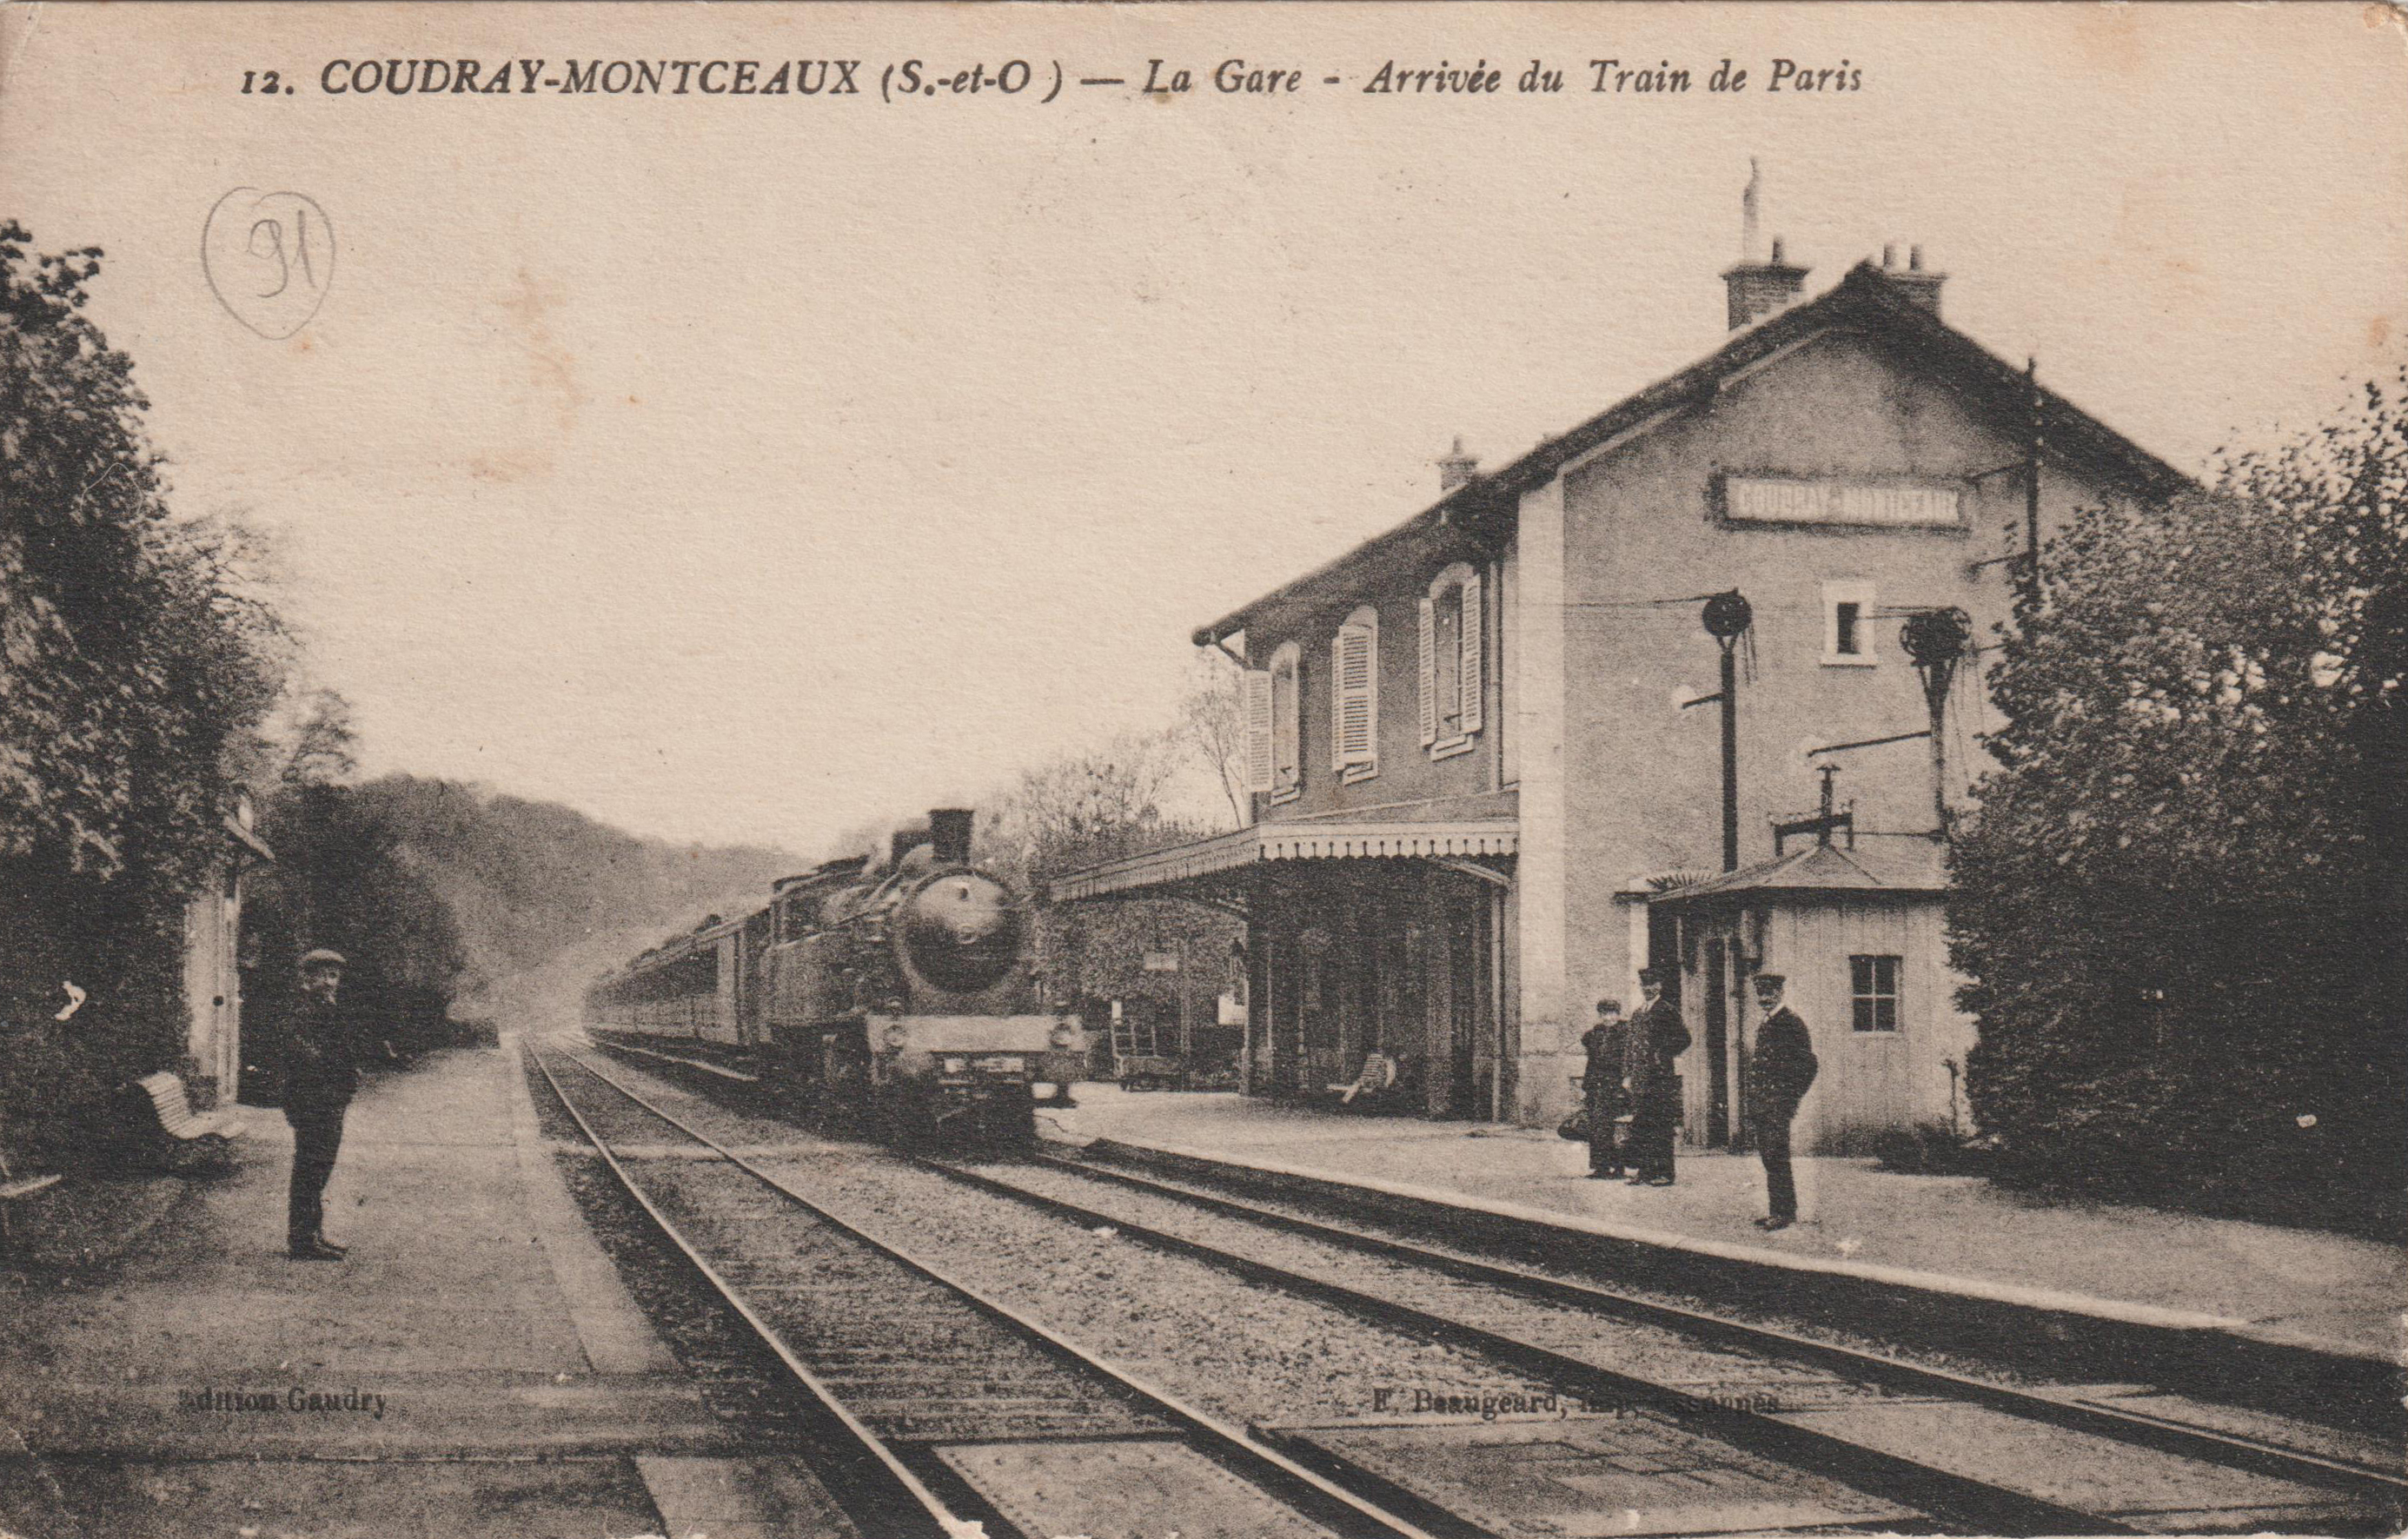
1864 301
1905 867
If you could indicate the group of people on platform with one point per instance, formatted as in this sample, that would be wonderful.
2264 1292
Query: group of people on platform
1631 1092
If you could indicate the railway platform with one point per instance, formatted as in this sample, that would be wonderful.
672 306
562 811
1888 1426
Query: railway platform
474 1367
1952 1240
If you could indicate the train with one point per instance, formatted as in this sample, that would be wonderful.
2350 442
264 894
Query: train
898 998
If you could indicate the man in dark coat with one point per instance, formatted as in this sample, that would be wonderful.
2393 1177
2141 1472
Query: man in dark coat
320 1072
1657 1037
1605 1086
1780 1070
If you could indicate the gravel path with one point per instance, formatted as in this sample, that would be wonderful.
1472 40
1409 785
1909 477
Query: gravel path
741 1380
1241 1352
1655 1354
1533 1259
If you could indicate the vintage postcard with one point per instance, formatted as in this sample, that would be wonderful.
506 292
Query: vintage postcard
1135 771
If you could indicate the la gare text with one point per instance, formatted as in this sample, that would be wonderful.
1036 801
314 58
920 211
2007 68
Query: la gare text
1233 77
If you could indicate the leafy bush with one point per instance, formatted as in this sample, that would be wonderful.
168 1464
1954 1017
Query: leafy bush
2181 898
135 654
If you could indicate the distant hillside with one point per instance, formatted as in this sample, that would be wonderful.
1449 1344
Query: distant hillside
447 897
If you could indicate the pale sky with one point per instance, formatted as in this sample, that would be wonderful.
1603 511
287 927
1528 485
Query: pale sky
752 467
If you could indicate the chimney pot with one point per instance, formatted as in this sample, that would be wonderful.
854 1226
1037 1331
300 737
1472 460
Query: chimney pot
949 831
1915 282
1889 257
1456 467
1758 289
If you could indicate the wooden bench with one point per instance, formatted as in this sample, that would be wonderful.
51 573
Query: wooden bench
1150 1071
189 1130
1388 1083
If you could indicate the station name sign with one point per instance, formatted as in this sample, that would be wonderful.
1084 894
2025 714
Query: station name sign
1880 504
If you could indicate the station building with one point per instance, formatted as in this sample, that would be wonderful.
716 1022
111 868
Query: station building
1480 805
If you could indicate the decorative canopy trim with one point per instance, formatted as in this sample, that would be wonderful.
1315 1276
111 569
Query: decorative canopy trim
1267 841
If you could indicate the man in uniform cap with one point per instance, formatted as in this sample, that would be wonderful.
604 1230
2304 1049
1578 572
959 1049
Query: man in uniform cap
322 1070
1780 1072
1657 1036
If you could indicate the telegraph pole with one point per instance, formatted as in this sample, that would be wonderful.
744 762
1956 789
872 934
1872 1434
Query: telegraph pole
2031 483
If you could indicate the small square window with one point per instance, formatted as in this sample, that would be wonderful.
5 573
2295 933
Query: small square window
1872 993
1847 625
1844 628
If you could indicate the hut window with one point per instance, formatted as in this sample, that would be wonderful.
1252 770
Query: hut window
1872 990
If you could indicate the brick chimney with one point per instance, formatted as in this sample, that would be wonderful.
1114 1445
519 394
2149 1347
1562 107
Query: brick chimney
1454 466
1758 289
1912 282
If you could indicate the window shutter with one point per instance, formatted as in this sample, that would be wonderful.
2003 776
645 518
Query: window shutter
1353 687
1338 700
1429 671
1468 676
1256 697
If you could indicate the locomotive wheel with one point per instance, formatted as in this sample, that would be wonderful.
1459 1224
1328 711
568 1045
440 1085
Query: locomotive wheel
1012 1124
905 1119
842 1091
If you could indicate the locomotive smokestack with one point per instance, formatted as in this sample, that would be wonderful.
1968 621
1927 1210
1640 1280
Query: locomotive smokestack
949 830
903 843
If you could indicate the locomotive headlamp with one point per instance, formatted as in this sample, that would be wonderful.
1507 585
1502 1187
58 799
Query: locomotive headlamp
897 1035
1062 1035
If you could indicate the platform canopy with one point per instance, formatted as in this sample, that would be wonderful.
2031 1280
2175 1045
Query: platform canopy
1204 870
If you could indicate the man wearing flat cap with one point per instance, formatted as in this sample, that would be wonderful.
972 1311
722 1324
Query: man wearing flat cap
320 1072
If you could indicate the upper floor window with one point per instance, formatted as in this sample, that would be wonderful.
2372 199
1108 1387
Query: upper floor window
1354 696
1847 625
1272 700
1451 672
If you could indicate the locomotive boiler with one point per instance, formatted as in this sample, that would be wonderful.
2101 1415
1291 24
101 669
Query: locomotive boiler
897 998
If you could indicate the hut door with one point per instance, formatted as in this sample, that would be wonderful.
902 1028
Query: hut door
1717 1065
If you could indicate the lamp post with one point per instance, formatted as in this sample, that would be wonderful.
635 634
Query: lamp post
1936 639
1727 617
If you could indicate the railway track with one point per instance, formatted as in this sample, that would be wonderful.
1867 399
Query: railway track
942 1412
1967 1451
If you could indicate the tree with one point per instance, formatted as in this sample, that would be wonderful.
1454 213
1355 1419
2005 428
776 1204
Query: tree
324 747
1084 808
1212 724
2180 898
137 652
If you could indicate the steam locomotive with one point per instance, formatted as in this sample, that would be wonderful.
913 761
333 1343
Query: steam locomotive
898 999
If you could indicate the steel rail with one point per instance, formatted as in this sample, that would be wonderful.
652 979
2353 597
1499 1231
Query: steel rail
2164 1434
919 1509
1971 1505
1325 1500
1942 1493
